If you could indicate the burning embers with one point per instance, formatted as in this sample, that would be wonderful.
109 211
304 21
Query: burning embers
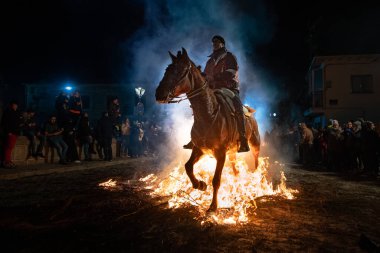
109 184
237 193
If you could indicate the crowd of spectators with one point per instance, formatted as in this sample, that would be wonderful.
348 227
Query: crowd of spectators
352 148
70 131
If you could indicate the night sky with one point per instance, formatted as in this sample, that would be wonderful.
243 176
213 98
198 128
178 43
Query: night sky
93 41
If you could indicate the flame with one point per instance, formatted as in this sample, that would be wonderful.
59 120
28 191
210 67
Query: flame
109 184
237 193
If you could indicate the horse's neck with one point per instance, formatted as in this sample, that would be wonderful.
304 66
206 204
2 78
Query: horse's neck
204 105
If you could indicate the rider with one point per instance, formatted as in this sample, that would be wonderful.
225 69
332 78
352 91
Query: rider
221 71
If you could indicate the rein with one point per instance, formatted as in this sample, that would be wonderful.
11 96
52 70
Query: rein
192 93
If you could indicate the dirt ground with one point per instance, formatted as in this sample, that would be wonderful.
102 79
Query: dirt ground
69 212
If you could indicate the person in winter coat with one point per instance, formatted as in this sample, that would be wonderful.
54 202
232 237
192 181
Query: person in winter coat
11 124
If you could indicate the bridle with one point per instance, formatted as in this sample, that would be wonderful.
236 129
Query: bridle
192 93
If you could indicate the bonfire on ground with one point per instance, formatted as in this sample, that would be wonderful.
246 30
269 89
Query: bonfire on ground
237 194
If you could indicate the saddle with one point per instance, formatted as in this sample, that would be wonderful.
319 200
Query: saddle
225 97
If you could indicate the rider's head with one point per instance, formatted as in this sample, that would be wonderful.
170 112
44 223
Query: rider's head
217 42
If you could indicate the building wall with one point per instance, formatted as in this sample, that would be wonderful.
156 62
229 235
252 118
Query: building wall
42 98
351 105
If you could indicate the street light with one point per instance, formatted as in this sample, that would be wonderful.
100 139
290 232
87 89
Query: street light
139 92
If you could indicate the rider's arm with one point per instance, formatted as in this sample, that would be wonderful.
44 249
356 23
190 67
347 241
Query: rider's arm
230 70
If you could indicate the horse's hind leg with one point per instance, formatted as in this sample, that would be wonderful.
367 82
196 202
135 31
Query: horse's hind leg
189 166
220 159
254 142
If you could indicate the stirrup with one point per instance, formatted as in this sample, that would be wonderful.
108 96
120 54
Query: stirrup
244 147
189 145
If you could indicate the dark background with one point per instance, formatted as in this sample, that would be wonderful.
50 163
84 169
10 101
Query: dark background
85 41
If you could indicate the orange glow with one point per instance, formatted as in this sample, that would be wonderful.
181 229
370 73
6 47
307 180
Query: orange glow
237 193
109 184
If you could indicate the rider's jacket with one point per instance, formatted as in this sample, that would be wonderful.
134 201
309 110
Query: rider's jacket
223 67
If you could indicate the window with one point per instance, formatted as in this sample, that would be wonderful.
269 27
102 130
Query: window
361 84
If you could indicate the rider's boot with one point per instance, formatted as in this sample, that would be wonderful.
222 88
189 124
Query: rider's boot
189 145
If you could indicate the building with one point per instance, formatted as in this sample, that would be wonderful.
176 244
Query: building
344 87
95 98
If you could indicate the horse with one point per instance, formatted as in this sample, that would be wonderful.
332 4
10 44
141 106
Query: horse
214 130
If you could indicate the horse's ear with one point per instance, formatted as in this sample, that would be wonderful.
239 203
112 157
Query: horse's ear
184 53
172 56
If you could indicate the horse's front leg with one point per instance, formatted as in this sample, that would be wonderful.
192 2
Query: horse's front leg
220 160
189 166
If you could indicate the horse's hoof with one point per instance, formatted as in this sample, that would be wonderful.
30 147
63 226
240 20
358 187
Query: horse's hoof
202 186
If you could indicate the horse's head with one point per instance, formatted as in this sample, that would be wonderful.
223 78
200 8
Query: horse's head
175 81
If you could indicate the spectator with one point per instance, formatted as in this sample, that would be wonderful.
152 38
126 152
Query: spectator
357 146
370 141
306 144
75 108
69 136
84 135
348 144
335 146
54 135
62 108
154 139
114 110
104 133
11 124
32 132
114 115
125 137
137 135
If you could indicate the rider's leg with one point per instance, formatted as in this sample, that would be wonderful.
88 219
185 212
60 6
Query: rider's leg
240 124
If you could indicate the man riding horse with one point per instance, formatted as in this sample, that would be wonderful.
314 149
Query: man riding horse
221 71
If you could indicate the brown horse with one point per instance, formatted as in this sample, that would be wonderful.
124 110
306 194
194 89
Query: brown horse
214 130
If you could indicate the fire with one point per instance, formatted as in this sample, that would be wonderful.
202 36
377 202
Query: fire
237 193
109 184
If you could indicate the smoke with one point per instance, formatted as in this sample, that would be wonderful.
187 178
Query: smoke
170 25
